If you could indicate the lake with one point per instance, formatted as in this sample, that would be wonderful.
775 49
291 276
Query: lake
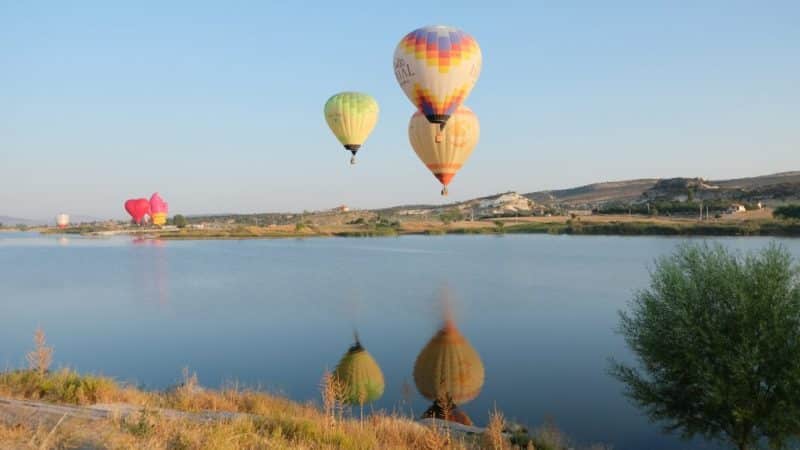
541 311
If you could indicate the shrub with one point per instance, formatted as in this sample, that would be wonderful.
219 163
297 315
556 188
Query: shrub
179 221
787 212
717 337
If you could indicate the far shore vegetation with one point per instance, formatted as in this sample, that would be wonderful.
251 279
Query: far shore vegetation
783 221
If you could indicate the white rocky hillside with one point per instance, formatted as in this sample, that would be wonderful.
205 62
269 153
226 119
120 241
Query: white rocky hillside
496 205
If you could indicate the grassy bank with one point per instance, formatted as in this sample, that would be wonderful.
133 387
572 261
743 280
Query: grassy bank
266 420
637 228
753 228
171 419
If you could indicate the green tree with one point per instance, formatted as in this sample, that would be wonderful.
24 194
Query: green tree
787 212
717 338
451 215
179 221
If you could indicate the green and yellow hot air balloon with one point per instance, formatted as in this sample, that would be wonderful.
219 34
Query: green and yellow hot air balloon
448 370
360 375
351 116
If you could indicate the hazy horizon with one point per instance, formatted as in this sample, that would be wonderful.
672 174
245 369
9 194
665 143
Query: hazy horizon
219 107
124 216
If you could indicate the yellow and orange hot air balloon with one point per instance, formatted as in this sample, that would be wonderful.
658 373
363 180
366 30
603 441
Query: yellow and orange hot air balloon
444 151
449 371
437 67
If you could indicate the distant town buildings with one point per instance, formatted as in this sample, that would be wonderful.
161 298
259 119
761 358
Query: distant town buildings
736 208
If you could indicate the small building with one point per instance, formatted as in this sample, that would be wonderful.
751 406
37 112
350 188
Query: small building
341 209
736 208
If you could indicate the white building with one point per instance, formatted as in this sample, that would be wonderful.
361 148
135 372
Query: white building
736 208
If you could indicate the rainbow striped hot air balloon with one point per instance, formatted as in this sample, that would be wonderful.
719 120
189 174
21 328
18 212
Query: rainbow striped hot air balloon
437 67
361 376
159 209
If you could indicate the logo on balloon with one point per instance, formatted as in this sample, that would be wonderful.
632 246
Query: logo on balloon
403 71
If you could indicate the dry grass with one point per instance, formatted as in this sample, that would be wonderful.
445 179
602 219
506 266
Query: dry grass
493 438
151 432
42 356
265 421
270 421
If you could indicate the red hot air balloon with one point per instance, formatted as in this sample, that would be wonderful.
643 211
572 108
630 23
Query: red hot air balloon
137 208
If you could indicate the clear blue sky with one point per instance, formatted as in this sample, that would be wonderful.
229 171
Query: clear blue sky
218 106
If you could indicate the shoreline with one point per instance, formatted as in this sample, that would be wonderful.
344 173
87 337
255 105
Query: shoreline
92 411
588 225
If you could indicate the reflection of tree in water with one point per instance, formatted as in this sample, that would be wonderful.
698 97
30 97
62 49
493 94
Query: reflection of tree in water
448 370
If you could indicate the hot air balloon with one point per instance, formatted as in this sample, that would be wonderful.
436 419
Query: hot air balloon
437 67
360 374
62 220
444 151
137 208
158 210
351 116
448 371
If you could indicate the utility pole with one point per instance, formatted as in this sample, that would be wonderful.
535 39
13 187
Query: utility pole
701 211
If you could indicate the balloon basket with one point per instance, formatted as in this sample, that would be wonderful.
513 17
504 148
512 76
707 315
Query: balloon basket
450 413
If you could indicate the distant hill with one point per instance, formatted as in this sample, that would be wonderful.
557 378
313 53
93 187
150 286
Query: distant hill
595 193
774 188
756 182
785 185
7 220
75 219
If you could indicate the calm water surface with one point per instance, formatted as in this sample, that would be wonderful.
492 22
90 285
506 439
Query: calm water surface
540 310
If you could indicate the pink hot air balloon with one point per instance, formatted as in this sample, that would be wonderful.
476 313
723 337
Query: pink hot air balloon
137 208
158 210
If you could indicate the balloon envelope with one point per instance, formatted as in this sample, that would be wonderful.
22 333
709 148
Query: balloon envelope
62 220
137 208
352 117
445 151
449 367
158 209
361 376
437 67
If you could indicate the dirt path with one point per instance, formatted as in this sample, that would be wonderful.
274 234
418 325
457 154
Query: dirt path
33 413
